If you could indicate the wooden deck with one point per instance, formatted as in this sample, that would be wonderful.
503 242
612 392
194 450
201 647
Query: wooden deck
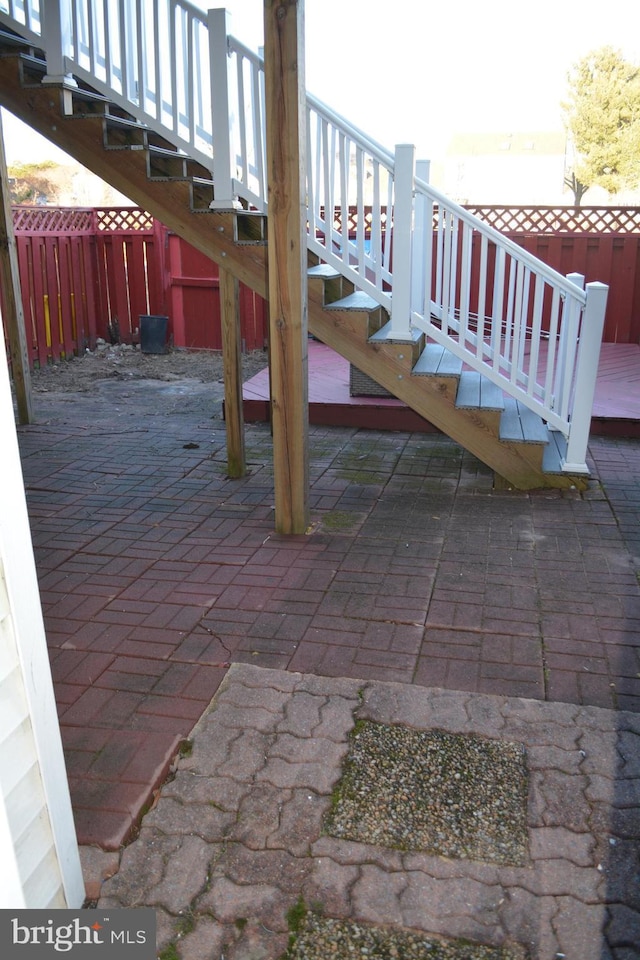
616 410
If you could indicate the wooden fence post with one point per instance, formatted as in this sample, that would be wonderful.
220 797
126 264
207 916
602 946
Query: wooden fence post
287 252
12 310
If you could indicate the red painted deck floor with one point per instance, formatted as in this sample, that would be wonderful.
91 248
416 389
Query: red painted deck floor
616 407
156 571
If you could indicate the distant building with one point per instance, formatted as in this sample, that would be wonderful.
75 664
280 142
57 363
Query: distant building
515 169
507 168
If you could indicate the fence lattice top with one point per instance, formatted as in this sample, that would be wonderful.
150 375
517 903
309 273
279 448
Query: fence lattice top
619 220
560 219
123 218
80 220
53 220
622 220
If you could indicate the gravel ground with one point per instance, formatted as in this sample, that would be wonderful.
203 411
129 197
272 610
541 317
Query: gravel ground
445 794
324 939
457 796
125 363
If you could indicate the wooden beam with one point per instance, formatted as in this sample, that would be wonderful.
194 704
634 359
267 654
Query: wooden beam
11 297
232 364
287 253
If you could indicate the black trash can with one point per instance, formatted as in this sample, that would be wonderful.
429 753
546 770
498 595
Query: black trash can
153 334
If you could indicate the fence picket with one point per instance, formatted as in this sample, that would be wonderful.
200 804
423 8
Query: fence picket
92 291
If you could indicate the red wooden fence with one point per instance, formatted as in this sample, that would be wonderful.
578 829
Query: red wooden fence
89 273
92 272
58 272
602 243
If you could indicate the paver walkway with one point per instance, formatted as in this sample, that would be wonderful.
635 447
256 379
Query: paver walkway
236 840
156 571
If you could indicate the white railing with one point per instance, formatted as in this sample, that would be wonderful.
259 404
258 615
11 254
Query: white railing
494 305
23 16
430 263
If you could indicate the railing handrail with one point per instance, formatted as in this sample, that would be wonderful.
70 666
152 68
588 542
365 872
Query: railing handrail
518 252
376 149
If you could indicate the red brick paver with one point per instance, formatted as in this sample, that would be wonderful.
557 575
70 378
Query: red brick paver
157 571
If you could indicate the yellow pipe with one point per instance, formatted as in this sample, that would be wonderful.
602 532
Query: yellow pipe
47 319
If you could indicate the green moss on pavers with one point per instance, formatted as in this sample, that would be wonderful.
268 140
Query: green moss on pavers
170 952
339 520
452 795
320 938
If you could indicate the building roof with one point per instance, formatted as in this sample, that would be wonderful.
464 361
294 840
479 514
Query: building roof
497 143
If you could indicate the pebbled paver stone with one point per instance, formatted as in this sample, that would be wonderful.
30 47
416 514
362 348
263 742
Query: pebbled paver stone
236 838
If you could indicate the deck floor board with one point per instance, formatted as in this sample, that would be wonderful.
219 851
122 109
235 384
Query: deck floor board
616 403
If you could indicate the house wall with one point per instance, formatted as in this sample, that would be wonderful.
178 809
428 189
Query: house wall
38 848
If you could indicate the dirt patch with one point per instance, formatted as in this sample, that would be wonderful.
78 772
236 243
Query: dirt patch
125 363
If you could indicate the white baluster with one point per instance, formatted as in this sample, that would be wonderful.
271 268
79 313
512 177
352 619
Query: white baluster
422 246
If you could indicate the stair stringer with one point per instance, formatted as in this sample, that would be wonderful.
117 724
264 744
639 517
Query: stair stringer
213 233
216 235
390 364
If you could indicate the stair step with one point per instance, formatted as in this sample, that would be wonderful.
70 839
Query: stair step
324 271
329 282
171 165
521 425
437 361
13 40
83 103
384 334
355 301
555 452
201 191
251 226
32 69
478 392
124 134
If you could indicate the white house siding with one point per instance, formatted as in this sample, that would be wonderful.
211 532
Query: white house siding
38 848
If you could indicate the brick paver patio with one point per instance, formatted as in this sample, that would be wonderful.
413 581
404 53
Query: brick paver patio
157 571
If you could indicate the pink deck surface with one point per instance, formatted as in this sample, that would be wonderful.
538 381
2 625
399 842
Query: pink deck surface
617 394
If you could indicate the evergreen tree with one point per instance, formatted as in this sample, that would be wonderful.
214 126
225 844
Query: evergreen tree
602 115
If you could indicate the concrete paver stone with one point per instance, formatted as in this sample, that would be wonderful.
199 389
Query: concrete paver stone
236 865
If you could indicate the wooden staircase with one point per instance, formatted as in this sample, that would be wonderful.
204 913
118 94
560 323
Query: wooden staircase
176 190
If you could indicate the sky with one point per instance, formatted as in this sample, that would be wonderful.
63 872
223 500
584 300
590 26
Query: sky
407 72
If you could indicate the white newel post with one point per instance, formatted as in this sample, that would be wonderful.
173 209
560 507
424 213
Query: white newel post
56 35
405 163
586 374
220 112
422 246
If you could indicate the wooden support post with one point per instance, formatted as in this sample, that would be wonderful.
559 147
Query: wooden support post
11 297
232 362
286 246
